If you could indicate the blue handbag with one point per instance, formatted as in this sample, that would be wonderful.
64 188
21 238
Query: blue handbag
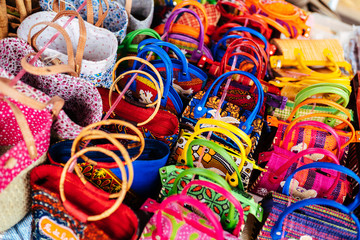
188 79
146 166
205 104
308 217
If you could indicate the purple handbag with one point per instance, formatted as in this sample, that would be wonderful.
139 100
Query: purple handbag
195 48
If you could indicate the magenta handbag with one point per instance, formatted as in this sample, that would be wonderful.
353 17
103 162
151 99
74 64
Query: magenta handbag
173 221
199 188
280 163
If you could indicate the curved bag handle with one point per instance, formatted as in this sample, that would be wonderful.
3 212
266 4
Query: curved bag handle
172 17
275 25
252 32
273 176
239 6
331 166
276 230
217 233
127 44
228 195
217 35
302 65
200 108
235 179
83 217
353 133
265 30
82 37
157 101
49 70
153 69
326 102
168 67
218 123
184 75
199 6
290 129
222 41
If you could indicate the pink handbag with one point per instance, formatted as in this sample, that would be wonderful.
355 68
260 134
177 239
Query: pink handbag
24 127
173 221
82 100
63 126
281 162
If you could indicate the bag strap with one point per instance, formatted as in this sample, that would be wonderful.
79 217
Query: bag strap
176 13
289 131
234 178
75 211
199 6
274 24
157 101
127 44
200 109
325 102
239 6
89 10
257 22
184 74
82 37
88 134
239 133
216 233
145 62
331 166
229 196
217 35
273 176
276 230
252 32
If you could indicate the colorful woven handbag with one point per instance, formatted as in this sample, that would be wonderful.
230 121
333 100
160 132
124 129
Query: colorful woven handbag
308 137
94 62
187 78
280 163
340 92
65 206
211 159
25 138
194 43
144 91
172 221
309 219
147 159
113 18
204 105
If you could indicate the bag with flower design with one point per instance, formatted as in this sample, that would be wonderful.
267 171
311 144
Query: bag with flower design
174 180
206 105
211 159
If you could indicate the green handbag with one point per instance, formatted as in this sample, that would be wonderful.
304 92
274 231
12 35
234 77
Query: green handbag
128 47
321 88
175 178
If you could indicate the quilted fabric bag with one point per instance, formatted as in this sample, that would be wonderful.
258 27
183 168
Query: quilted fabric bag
94 61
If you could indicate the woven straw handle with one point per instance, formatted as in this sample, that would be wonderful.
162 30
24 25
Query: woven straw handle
75 211
86 135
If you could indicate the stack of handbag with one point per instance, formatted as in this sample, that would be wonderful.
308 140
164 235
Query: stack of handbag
199 120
